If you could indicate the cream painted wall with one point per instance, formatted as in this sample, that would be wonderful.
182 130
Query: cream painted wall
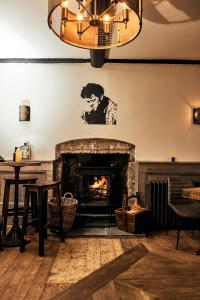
154 107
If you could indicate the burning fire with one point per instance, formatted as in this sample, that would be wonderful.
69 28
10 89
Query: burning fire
99 185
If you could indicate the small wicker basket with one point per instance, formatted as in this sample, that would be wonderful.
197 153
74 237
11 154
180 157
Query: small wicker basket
69 207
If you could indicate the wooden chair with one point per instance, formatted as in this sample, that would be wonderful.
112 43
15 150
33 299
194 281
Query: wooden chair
40 190
183 208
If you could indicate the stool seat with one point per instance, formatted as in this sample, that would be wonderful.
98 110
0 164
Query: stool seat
44 185
21 180
6 211
40 190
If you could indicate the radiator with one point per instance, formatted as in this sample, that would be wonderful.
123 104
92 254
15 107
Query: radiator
157 197
157 201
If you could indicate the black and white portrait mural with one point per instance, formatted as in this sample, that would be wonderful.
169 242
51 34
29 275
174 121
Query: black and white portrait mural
99 109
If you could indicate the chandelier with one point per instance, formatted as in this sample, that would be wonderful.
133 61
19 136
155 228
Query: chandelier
95 24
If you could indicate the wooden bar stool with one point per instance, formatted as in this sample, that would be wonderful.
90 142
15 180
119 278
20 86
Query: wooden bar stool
41 191
6 211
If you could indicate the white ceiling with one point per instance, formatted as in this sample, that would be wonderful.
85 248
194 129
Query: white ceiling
171 30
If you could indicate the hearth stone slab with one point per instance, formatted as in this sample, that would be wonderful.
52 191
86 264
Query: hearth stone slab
101 232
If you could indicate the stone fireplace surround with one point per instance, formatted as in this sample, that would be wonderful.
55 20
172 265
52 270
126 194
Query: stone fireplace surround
97 146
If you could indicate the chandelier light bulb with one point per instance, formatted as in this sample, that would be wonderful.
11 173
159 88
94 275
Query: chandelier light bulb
106 18
65 10
106 27
65 4
125 13
79 25
125 6
80 17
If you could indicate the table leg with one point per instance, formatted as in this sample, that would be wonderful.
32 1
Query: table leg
12 239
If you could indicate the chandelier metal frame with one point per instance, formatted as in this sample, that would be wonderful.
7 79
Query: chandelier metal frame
92 29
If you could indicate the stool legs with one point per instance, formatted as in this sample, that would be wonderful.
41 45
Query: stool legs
1 225
24 221
44 212
60 215
40 202
34 205
6 210
42 215
5 207
42 197
178 231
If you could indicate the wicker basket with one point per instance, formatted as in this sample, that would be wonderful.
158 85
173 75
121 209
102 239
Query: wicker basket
120 214
69 207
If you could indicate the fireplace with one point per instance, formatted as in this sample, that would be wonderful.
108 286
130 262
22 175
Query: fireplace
96 171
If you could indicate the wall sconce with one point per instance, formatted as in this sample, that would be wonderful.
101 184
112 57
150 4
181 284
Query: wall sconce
24 111
196 115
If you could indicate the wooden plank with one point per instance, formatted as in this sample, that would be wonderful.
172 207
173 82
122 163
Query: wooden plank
107 251
78 248
90 284
15 274
52 289
7 259
118 250
93 261
58 272
37 285
22 278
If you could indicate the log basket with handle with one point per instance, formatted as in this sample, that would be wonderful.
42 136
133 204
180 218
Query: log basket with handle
120 213
69 207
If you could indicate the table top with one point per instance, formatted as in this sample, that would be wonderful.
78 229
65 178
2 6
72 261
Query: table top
142 273
192 193
21 163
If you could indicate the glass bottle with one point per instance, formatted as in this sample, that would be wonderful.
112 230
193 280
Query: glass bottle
26 151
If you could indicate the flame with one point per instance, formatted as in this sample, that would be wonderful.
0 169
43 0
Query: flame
99 185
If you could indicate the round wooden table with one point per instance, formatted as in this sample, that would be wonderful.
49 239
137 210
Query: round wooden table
12 239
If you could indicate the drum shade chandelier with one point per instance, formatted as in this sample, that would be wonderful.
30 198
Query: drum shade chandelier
95 24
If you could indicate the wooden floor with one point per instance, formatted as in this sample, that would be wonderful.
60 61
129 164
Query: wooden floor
28 276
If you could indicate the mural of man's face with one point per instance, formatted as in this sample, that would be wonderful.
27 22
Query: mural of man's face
93 102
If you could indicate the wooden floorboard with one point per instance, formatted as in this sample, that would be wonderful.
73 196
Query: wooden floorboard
26 276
